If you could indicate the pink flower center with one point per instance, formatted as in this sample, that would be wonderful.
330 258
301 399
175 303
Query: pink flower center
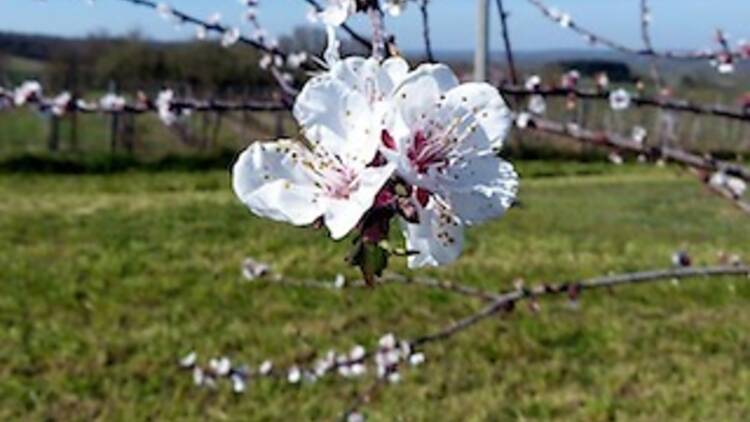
339 181
425 152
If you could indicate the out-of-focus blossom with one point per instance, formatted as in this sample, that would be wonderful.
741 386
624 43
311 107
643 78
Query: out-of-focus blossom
395 7
619 99
336 12
112 102
28 91
230 37
537 105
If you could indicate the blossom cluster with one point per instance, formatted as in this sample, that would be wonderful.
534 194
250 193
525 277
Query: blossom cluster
385 361
381 141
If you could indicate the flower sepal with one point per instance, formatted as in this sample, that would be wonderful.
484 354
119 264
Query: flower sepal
371 259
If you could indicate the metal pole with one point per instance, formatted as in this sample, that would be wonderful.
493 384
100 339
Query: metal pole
482 50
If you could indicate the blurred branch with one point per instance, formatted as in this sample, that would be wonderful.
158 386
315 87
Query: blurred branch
426 282
506 302
222 29
665 103
426 30
618 142
348 29
566 21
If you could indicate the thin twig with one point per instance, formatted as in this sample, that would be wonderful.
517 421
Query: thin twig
506 40
618 142
141 107
664 103
348 29
222 29
426 30
426 282
594 38
508 300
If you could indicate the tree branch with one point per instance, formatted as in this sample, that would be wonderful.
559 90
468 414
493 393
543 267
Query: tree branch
594 38
506 40
680 105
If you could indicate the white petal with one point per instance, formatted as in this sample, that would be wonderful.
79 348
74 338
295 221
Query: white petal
481 189
423 88
488 110
337 12
338 118
397 69
438 238
270 179
343 215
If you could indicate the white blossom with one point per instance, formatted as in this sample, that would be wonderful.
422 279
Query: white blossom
112 102
295 375
164 107
221 366
60 103
533 82
331 178
602 80
265 367
537 104
214 19
188 361
522 119
416 359
265 61
443 138
238 384
565 20
388 341
340 281
253 269
165 11
394 377
615 158
294 60
201 32
199 377
395 7
619 99
357 353
230 37
355 417
725 68
337 12
736 186
639 134
29 90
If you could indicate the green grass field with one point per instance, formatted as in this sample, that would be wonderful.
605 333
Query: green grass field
107 280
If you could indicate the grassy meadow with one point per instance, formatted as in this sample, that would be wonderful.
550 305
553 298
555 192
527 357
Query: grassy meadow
108 279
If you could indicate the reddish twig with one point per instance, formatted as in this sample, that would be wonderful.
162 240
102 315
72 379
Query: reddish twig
618 142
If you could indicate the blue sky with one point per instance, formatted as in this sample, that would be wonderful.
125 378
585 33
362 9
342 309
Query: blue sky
677 23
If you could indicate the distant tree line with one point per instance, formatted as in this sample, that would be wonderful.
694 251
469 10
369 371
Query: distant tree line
128 63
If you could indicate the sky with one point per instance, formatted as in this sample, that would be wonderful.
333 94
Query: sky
687 24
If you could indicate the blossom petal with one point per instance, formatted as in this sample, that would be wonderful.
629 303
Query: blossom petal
270 180
338 118
483 106
422 89
343 215
438 238
480 189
